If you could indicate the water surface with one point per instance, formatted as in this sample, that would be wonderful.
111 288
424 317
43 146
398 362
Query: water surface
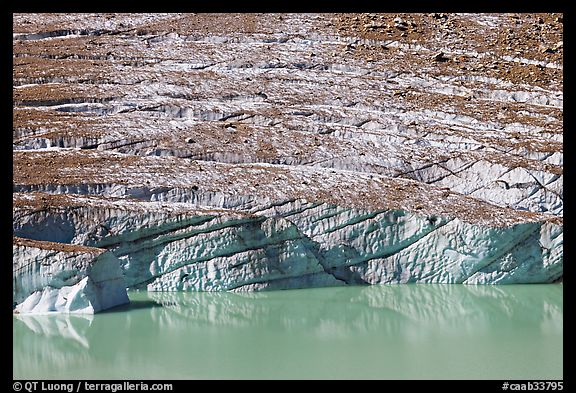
383 332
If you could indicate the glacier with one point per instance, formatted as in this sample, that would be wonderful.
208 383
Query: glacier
294 244
53 278
163 153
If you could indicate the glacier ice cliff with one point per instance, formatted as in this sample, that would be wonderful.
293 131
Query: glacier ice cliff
247 152
54 278
296 243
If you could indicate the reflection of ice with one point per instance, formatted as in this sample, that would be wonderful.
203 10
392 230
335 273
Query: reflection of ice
333 312
232 335
396 309
553 320
68 326
44 344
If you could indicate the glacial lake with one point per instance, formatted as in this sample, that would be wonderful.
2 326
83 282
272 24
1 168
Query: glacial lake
377 332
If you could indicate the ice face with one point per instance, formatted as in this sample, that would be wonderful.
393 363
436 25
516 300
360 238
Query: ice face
298 244
49 279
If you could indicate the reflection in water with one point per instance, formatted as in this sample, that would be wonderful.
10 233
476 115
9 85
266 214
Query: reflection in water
404 331
61 342
70 327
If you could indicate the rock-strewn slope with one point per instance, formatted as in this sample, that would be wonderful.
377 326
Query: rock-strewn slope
250 151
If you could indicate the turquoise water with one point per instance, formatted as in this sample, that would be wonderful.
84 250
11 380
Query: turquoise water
382 332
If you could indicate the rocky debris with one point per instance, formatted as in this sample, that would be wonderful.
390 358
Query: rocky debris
53 277
243 186
400 24
455 116
463 118
440 56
